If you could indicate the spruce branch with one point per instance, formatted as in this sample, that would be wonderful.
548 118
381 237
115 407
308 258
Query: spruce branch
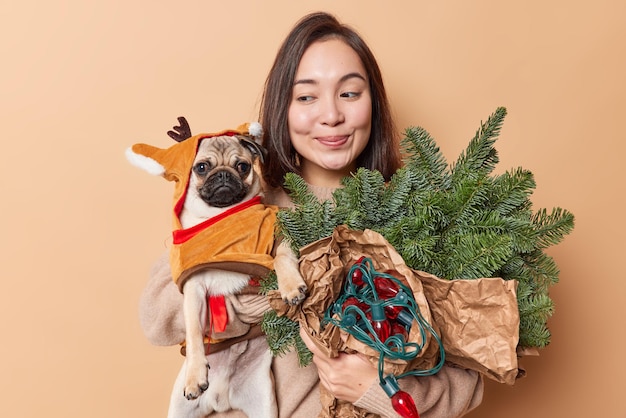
534 333
282 335
466 200
299 190
395 194
456 221
551 228
480 157
268 283
534 312
521 231
473 256
511 191
311 221
513 269
359 201
423 157
542 269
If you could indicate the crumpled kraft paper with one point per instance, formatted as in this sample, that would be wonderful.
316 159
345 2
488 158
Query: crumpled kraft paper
477 320
479 323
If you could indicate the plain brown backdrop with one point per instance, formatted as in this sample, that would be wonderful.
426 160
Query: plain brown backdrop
82 80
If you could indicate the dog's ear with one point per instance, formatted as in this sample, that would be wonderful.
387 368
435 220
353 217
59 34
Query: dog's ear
254 147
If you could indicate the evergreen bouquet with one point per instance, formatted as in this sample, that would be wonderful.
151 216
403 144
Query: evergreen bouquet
455 221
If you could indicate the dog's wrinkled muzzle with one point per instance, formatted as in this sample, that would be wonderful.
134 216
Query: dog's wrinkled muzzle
223 189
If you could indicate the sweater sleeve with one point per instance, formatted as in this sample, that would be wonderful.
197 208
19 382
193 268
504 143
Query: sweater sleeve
161 306
450 393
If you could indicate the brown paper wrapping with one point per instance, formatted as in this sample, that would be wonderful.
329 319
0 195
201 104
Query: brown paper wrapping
477 320
479 323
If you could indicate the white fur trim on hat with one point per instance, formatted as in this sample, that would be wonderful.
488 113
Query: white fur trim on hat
255 129
145 163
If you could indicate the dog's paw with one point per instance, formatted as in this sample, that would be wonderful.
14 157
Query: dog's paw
196 383
295 296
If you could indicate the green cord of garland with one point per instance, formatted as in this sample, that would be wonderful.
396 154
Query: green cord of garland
394 347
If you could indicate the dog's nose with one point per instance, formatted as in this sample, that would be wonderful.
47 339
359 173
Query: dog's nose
223 175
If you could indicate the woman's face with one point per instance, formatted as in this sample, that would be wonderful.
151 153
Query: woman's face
330 112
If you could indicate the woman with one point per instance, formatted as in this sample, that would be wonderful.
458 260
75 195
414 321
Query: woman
324 114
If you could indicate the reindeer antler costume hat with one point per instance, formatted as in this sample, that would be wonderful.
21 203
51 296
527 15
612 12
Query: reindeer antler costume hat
241 239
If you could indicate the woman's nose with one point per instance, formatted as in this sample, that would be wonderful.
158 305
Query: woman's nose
331 113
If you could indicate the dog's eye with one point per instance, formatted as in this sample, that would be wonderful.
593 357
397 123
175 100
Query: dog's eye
201 168
243 168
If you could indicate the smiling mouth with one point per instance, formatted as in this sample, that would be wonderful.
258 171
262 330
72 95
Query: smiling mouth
333 141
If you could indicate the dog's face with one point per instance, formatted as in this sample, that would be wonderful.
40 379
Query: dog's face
223 174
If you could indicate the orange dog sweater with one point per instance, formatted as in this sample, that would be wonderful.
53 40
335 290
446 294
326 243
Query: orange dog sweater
241 239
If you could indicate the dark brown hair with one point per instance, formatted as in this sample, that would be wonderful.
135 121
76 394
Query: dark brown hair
381 153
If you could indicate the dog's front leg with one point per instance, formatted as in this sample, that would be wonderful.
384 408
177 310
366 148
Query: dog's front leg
195 311
290 282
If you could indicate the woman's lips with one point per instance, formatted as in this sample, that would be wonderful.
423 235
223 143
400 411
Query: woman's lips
333 141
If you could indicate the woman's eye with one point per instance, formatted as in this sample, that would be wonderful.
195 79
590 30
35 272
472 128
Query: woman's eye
201 169
243 168
350 94
304 98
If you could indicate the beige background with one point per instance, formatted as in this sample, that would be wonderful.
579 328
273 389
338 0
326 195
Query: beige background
82 80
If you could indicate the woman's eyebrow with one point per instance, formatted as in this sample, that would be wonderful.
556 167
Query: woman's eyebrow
342 79
352 75
305 81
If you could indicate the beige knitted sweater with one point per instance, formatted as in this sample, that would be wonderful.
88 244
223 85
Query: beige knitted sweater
452 392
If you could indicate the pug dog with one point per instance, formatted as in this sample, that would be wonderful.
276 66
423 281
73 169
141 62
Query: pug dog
222 176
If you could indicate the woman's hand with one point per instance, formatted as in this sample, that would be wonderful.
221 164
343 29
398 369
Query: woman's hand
347 377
